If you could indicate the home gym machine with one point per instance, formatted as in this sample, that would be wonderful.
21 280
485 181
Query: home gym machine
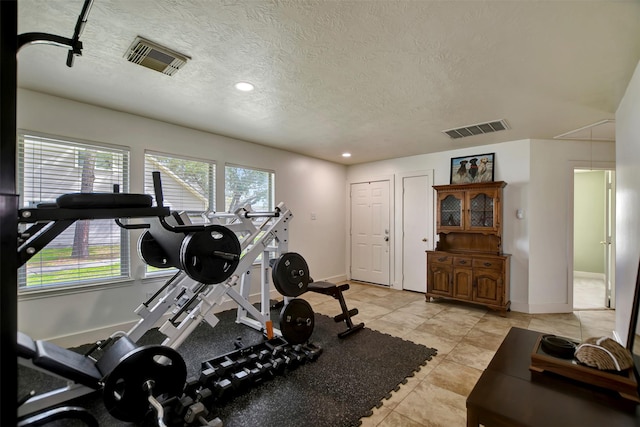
211 260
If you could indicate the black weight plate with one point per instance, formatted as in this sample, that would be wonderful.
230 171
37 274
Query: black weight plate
297 321
124 393
151 251
290 274
210 256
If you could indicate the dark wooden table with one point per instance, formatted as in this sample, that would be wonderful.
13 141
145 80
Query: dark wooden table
509 394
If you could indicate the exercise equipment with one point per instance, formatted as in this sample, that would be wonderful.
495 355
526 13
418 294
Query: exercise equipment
290 274
129 376
231 374
213 259
291 278
297 321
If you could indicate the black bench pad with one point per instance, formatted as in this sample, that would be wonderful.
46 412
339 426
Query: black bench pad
68 364
326 287
103 201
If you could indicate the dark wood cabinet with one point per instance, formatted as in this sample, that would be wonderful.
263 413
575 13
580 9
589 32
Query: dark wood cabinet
468 263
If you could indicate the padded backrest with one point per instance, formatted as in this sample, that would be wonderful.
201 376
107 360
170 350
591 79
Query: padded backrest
67 363
103 201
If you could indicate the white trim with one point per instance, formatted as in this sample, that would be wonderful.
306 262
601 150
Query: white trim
392 220
549 308
574 165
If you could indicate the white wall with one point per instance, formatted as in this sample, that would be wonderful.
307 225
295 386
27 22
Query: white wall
304 184
539 176
627 201
550 219
512 166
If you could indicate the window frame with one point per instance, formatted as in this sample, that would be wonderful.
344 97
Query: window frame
210 195
271 185
120 175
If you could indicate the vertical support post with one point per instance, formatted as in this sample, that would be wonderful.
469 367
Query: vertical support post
8 213
265 291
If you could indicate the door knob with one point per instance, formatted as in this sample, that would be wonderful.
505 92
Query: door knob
424 240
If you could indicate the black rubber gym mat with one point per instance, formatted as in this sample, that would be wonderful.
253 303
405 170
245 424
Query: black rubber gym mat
350 378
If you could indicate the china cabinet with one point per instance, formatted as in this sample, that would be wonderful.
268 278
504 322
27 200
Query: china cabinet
468 263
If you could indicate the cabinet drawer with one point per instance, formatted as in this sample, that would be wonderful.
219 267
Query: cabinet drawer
462 262
491 263
435 258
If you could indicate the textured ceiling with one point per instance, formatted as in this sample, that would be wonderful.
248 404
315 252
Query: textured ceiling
380 79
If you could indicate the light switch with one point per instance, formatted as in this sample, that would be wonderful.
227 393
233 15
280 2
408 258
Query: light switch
519 213
313 216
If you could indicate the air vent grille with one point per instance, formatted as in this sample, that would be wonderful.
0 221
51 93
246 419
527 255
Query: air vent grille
151 55
477 129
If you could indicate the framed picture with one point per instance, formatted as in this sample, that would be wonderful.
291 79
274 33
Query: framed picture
469 169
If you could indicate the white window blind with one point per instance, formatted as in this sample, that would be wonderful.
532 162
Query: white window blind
248 187
88 251
187 184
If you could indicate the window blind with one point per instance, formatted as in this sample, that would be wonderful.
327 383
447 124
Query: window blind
89 251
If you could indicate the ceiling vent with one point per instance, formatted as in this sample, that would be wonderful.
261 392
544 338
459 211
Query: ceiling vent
151 55
477 129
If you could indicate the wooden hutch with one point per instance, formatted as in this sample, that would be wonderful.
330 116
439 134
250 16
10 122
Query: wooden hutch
468 263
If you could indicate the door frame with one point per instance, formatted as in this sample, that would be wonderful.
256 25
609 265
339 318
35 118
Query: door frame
392 231
582 165
429 173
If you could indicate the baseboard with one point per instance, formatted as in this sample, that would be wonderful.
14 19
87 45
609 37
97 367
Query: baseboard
93 335
549 308
588 275
333 279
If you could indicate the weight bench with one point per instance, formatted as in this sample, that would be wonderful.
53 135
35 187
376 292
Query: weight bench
335 291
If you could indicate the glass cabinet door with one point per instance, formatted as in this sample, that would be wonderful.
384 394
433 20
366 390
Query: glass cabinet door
451 211
481 210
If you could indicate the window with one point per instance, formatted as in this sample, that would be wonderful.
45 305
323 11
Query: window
89 251
244 186
187 185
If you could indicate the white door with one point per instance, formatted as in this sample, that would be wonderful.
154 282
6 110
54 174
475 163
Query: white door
370 232
417 220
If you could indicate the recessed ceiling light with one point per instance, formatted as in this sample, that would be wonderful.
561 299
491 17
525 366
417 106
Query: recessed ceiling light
244 86
346 154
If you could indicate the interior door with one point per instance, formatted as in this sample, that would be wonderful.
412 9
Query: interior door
370 232
417 218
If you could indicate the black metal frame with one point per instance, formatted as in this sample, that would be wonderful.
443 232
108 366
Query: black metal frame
10 43
8 209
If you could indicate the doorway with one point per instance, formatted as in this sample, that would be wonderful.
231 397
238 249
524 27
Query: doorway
370 232
593 237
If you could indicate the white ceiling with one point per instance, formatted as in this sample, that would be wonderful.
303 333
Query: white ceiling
380 79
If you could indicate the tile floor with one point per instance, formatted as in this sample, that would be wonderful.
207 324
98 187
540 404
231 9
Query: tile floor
466 338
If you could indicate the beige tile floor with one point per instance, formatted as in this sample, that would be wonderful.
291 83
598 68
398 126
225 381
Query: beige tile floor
466 338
